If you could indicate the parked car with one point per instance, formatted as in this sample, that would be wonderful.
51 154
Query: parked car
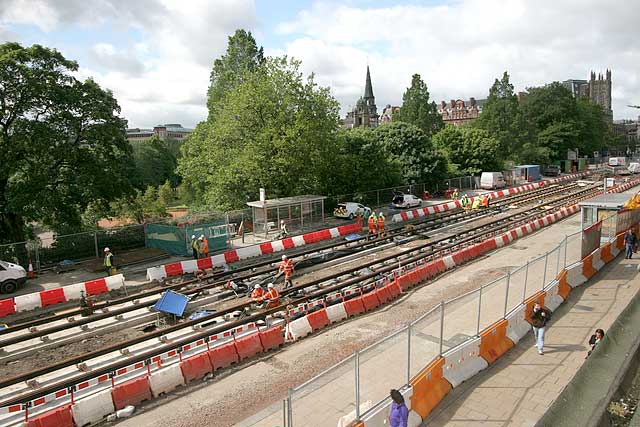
11 276
492 180
350 210
634 167
405 201
551 170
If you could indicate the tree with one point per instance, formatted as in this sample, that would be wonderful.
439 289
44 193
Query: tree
154 163
412 152
275 131
242 56
62 143
470 151
502 118
418 110
165 194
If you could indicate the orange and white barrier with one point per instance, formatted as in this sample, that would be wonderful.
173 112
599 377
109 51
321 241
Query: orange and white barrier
463 362
229 257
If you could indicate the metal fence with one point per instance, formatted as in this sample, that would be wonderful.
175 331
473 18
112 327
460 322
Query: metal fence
50 248
347 390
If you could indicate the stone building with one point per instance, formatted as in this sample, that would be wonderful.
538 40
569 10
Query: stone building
167 131
459 112
365 113
388 112
597 89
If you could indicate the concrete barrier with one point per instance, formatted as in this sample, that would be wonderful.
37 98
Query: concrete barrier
298 328
463 362
166 379
379 415
517 325
92 409
336 312
553 299
575 277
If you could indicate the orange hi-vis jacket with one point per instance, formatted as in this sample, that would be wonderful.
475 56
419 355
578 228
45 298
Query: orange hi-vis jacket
272 296
485 201
380 223
257 294
372 223
206 245
286 267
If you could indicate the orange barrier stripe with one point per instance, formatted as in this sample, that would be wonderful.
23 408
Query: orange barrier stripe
564 288
539 297
587 267
429 388
606 254
494 342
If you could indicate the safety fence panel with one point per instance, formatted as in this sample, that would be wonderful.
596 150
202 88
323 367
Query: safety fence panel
425 339
536 276
489 312
381 364
460 319
169 238
552 263
327 398
573 248
517 287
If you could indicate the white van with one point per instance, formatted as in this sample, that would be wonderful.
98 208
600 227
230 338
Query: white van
350 210
492 180
634 167
11 275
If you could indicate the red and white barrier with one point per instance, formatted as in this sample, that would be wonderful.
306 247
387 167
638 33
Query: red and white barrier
229 257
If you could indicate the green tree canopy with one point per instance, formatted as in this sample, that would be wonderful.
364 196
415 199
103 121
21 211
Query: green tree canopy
469 150
154 163
502 118
417 109
242 56
62 142
412 152
275 131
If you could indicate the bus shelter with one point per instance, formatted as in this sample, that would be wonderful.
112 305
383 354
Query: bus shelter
297 212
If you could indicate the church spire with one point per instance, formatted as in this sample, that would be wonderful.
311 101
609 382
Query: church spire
368 89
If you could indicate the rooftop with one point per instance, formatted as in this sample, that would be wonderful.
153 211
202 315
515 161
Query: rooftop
285 201
609 200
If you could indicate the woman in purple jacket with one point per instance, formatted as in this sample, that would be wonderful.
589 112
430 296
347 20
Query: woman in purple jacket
399 412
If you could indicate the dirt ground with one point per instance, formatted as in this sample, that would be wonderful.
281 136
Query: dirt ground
257 384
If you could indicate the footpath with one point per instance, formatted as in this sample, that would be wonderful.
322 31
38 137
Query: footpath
520 386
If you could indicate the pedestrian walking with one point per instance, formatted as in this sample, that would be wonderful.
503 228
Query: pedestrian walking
287 267
595 340
109 265
205 245
399 416
540 315
629 241
194 246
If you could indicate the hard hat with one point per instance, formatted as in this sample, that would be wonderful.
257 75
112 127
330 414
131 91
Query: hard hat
193 236
381 214
282 221
270 285
202 236
106 249
284 257
256 287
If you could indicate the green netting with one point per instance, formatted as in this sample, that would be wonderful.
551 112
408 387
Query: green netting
177 239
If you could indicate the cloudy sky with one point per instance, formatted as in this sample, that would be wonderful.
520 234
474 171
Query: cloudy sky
156 55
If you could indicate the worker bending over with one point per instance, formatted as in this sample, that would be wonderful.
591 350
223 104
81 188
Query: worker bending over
381 225
286 267
464 202
257 294
476 203
271 297
484 202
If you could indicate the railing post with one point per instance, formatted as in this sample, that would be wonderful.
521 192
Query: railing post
95 243
506 294
526 278
566 243
284 412
441 324
558 262
290 409
544 275
479 309
409 353
356 361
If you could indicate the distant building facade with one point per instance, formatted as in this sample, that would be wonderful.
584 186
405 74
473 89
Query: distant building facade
388 112
597 89
365 113
627 130
166 131
458 112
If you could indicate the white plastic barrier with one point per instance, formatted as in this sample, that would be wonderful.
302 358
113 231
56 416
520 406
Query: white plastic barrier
575 277
449 262
379 416
336 312
27 302
114 282
156 273
552 300
299 328
92 409
72 292
415 420
189 266
517 326
463 362
166 379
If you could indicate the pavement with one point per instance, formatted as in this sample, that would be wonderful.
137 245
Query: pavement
519 388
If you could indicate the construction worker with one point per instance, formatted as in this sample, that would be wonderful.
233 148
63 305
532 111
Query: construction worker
271 297
373 223
454 195
484 202
286 267
200 246
257 294
205 245
488 201
108 262
86 304
476 203
194 246
283 229
381 224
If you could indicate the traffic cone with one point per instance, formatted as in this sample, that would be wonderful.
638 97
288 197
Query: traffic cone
31 273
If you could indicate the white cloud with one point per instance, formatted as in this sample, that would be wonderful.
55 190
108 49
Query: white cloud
461 48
